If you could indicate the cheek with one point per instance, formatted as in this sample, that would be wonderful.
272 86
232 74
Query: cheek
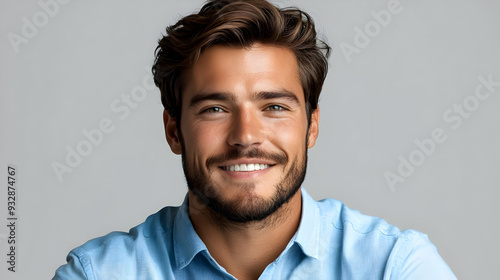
201 142
289 136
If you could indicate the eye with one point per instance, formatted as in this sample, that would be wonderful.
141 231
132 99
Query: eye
275 108
213 110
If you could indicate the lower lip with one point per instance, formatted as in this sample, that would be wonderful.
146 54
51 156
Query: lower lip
245 174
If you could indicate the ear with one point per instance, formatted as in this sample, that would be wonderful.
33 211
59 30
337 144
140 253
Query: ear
313 128
171 133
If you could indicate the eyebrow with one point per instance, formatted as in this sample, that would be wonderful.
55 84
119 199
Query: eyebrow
281 94
214 96
226 96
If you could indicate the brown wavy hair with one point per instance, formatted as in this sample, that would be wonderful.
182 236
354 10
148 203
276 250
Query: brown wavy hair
240 24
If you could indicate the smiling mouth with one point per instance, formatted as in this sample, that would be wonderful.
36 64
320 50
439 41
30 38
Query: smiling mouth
246 167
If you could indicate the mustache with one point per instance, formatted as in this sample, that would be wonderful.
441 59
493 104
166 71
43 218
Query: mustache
278 158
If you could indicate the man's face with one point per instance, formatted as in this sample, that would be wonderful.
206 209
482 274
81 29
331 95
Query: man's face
244 132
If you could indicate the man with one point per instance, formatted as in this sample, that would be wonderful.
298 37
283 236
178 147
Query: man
240 82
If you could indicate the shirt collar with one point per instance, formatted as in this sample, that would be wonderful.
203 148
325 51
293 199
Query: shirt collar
187 243
307 236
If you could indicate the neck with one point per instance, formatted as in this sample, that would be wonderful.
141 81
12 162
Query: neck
245 250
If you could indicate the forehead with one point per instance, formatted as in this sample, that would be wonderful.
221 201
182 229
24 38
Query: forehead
242 70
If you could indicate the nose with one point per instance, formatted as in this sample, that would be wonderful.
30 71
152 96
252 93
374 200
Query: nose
246 129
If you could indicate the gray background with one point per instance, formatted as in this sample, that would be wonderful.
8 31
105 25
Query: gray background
79 63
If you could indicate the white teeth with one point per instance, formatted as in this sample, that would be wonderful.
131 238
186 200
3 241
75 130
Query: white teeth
251 167
246 167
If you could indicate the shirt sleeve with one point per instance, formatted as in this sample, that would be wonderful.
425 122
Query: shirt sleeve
72 270
420 260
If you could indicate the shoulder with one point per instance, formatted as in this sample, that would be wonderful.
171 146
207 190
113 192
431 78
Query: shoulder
362 232
392 253
156 225
336 214
130 251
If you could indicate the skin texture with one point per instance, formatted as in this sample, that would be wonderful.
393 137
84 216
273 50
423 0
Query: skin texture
244 106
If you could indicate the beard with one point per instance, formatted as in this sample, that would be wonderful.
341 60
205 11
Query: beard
247 207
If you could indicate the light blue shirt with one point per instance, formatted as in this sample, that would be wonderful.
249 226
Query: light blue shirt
332 242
